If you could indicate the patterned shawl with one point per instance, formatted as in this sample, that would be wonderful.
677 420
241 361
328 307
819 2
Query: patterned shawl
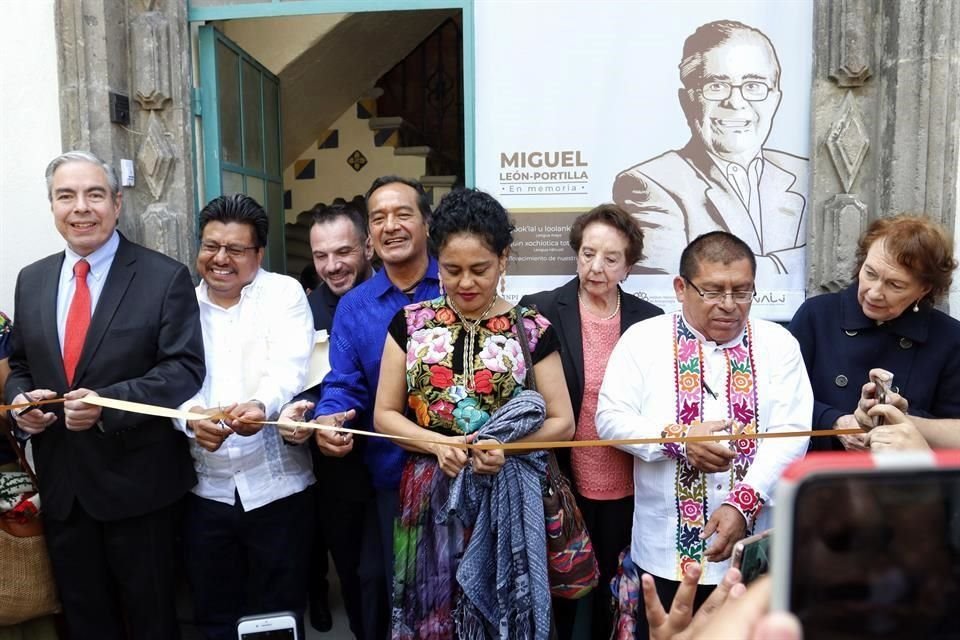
503 573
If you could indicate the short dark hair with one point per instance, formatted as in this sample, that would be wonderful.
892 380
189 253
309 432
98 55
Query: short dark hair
919 245
716 246
708 37
423 200
472 211
612 216
324 213
237 208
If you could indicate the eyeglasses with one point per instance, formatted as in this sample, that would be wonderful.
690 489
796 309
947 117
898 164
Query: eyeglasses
717 296
233 250
752 91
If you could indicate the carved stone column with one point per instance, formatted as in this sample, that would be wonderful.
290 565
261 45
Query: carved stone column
141 49
885 133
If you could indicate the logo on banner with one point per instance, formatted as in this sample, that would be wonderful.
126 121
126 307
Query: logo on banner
543 172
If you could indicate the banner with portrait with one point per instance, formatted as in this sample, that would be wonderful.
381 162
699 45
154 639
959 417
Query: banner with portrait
693 116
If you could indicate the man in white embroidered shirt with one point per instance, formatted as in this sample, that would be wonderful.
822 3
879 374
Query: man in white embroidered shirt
706 369
248 522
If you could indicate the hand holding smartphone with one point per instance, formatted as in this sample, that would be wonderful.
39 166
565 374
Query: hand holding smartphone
883 383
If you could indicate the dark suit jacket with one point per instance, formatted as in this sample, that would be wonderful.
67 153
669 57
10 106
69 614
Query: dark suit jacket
562 308
345 478
840 345
682 194
144 344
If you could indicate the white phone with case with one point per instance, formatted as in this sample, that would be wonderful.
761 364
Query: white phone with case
269 626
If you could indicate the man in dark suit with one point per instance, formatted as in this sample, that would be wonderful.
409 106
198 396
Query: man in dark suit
106 317
723 179
342 251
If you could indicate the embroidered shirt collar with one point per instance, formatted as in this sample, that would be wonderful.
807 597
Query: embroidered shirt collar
737 339
914 326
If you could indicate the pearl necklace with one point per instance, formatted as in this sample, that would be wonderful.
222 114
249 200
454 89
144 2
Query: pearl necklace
616 309
469 346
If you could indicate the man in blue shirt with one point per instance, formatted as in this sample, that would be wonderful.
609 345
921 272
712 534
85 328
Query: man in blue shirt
398 218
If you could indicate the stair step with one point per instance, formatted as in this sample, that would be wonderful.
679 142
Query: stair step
385 122
422 151
438 181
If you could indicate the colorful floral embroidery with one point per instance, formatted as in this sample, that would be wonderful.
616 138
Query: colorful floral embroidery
691 487
440 396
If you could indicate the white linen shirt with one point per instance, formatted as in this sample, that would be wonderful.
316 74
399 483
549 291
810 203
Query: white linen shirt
258 349
638 399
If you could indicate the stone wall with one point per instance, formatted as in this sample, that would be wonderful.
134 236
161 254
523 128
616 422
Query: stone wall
139 49
885 128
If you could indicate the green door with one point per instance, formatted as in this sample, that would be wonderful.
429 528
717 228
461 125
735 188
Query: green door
240 112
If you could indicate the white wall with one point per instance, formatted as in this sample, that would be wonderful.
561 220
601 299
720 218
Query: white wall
29 137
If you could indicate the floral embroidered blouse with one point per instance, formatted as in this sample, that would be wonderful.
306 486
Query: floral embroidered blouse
440 396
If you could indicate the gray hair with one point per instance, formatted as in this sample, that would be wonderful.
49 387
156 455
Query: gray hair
710 36
113 182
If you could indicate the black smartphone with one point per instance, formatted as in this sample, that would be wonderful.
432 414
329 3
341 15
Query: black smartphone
752 556
868 545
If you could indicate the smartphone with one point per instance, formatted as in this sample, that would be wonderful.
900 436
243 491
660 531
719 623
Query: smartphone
269 626
752 556
868 545
883 386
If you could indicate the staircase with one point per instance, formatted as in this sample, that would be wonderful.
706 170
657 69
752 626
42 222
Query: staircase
422 138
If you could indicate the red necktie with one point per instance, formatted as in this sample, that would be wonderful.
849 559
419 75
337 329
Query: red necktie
78 320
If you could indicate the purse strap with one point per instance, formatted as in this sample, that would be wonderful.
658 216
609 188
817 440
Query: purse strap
18 449
531 380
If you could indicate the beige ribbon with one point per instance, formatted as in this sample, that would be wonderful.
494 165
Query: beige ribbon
163 412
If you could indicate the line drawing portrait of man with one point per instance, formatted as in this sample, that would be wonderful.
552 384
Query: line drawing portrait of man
724 178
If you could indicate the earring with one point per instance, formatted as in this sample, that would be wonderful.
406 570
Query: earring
441 287
916 305
503 283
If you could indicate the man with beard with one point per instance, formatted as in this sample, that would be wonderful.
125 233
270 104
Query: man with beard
398 219
342 251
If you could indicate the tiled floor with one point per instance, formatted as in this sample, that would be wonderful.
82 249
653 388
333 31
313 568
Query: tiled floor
340 631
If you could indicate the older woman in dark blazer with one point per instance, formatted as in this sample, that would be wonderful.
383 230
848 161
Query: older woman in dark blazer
589 314
885 319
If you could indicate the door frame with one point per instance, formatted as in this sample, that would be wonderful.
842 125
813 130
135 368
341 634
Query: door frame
277 8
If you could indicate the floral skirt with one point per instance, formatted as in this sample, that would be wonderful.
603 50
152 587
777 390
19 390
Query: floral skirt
426 555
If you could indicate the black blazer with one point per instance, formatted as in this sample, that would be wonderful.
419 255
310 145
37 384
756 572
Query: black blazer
562 308
144 344
342 479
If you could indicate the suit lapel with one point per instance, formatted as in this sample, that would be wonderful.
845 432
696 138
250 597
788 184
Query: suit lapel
725 208
118 279
49 290
782 209
568 317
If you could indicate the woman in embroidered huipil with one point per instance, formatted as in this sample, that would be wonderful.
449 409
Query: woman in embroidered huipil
885 319
589 314
448 365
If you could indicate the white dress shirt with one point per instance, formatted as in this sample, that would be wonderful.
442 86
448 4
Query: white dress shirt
638 399
100 262
258 349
